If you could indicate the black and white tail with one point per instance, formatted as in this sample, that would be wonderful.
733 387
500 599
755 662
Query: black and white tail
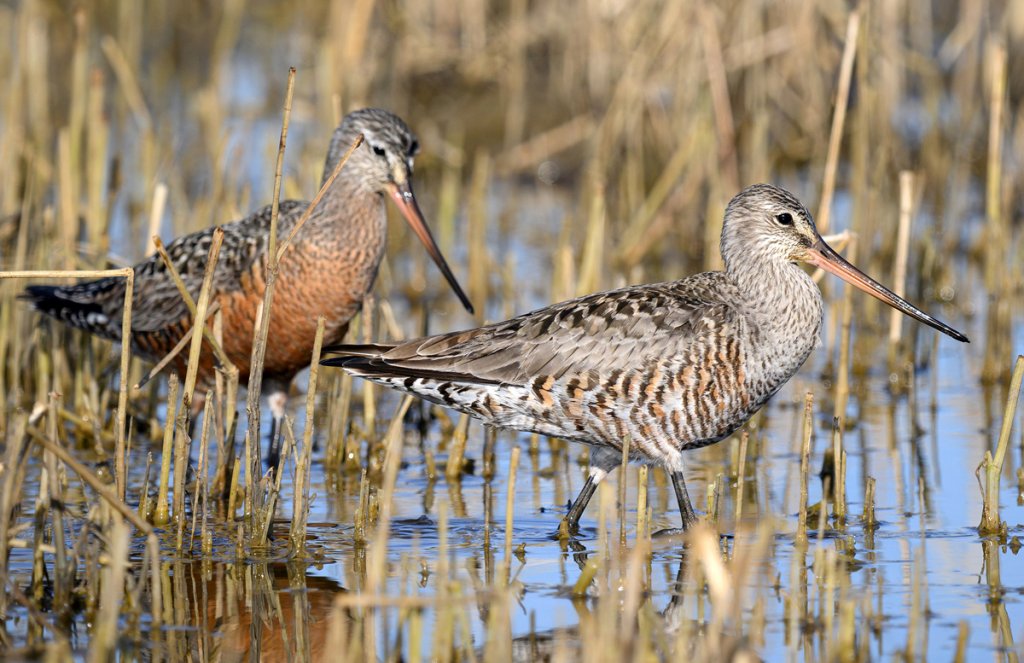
454 389
80 305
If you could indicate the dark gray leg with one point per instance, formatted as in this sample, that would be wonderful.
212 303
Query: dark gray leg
686 511
602 461
579 505
274 448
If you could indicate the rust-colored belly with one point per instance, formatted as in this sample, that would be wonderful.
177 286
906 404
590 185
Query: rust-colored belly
312 285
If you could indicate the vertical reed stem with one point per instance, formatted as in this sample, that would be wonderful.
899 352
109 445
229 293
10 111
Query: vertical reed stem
805 454
510 512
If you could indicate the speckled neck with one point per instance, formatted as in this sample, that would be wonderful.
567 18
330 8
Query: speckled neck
350 214
784 305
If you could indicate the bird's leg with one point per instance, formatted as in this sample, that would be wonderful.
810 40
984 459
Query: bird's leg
686 511
579 505
602 461
277 400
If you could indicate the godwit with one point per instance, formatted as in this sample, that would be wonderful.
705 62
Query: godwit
673 366
329 269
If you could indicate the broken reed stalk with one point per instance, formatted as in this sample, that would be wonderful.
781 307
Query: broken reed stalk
805 454
868 517
259 349
121 418
992 467
838 121
839 473
510 512
162 515
300 502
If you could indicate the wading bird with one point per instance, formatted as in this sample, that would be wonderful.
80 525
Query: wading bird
328 270
670 366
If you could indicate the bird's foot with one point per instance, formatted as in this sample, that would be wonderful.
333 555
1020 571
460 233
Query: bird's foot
565 531
690 520
667 532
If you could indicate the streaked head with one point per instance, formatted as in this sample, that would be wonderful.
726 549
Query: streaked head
383 165
769 223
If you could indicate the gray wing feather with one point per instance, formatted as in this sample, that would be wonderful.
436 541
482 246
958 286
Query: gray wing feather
617 330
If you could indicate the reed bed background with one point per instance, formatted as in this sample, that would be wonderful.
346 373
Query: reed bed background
567 147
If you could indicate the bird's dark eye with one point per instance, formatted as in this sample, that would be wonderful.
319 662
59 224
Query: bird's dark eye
378 150
414 148
785 219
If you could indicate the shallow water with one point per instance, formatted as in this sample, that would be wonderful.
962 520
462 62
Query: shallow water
922 451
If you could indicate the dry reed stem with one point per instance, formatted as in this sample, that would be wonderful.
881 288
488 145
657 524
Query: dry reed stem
839 486
369 399
510 511
592 260
202 309
121 418
11 480
741 474
725 127
993 466
109 496
998 235
202 494
259 348
286 244
175 351
103 642
838 121
623 481
162 515
156 216
457 449
868 516
128 81
300 513
375 565
805 453
642 524
186 296
899 270
61 574
479 260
